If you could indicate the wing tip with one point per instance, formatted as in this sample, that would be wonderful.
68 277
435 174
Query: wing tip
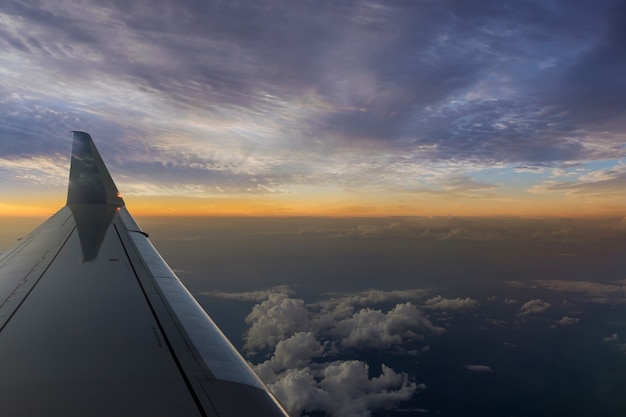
90 181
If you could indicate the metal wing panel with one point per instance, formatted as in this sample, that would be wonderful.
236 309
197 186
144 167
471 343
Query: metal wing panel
218 354
85 342
215 369
22 265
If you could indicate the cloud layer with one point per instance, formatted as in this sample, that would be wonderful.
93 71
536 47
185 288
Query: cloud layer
413 98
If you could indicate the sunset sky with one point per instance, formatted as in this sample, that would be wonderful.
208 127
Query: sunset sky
340 108
455 171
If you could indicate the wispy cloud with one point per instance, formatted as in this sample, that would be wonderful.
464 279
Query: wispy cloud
249 295
478 368
595 292
395 97
601 183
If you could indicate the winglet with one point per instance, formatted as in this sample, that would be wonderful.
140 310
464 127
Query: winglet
90 181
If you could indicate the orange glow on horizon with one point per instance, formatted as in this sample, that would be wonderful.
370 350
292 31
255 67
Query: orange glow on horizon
346 205
276 207
30 209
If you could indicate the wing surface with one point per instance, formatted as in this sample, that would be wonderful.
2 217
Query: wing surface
94 322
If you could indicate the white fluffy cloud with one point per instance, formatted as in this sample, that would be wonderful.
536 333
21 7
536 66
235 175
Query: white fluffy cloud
375 329
299 391
276 319
294 352
280 316
441 303
534 307
303 339
342 389
353 393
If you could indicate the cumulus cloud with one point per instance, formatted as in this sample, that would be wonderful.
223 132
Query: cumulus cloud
375 329
303 340
276 319
342 389
612 338
294 352
534 307
280 316
299 391
441 303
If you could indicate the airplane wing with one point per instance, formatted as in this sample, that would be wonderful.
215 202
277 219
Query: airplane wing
93 322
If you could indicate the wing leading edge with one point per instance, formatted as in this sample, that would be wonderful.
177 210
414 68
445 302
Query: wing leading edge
94 322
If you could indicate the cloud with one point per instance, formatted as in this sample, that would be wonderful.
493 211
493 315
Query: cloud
613 338
362 298
276 319
249 295
589 88
280 316
441 303
483 229
592 291
343 301
358 94
293 352
478 368
302 340
600 183
568 321
41 170
463 183
534 307
342 389
299 391
374 329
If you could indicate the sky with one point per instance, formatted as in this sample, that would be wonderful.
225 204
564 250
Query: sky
331 108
